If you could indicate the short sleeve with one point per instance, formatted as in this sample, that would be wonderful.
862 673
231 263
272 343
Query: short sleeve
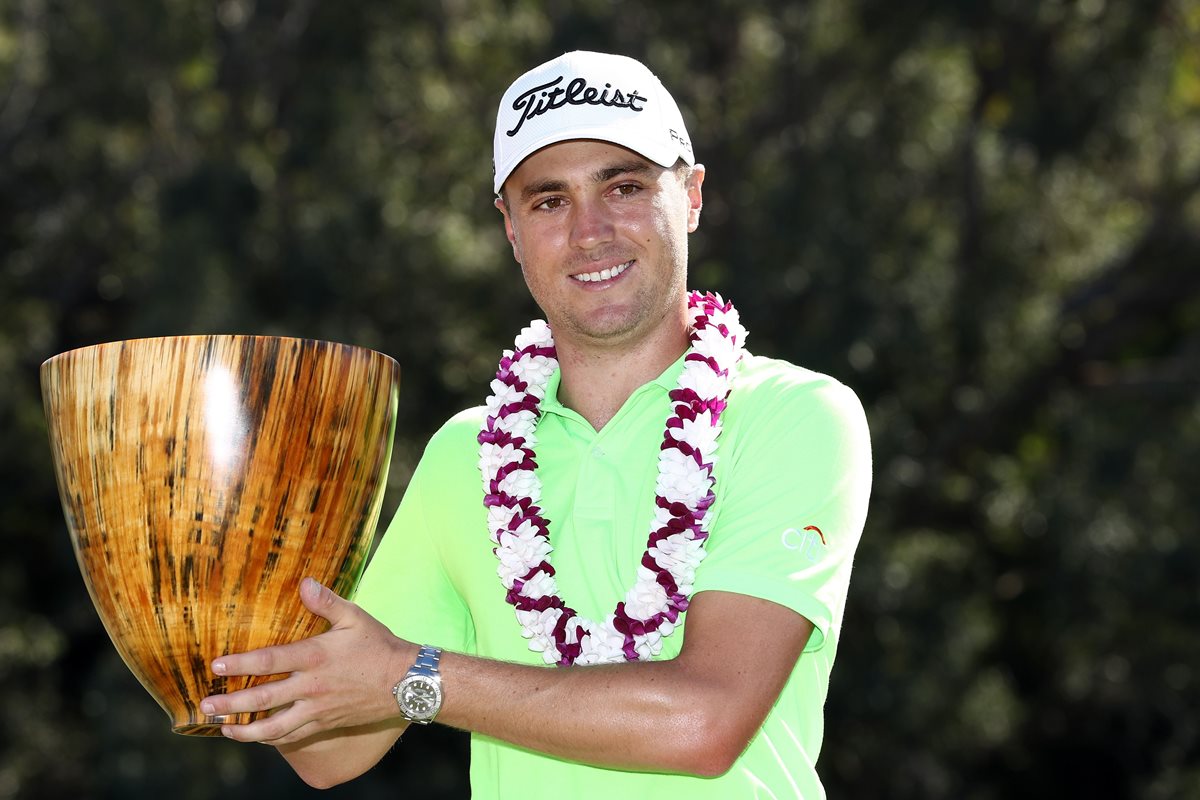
792 494
406 586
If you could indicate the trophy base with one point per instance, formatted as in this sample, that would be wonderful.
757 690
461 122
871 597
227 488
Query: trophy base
201 725
198 729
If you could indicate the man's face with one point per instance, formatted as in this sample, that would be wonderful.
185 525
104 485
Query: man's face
601 236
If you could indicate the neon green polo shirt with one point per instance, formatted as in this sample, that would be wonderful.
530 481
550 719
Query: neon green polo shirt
793 477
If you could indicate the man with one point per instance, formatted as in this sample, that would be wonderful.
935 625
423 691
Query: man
631 444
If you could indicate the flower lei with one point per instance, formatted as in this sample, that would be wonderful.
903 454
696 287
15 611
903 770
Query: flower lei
634 631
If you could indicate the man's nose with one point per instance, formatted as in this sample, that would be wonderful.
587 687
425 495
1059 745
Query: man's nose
591 224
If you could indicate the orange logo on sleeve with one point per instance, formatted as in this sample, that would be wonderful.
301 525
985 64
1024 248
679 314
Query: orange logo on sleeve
806 541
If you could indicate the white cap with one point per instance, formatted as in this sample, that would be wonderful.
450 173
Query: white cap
583 95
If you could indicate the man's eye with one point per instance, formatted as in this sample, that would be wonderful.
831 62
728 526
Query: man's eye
626 189
550 203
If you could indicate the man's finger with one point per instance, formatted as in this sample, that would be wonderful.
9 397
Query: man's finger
305 731
263 697
324 602
266 661
279 726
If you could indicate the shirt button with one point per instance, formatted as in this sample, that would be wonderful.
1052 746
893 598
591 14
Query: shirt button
597 452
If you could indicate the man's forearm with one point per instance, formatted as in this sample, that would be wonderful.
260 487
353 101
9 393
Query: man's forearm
693 714
339 755
643 716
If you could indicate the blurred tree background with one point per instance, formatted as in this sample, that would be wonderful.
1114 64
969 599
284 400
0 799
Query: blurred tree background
984 216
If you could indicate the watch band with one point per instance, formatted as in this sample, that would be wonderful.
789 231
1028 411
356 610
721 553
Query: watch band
427 662
419 692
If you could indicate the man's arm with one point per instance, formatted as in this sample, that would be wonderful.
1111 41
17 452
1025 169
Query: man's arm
693 714
341 754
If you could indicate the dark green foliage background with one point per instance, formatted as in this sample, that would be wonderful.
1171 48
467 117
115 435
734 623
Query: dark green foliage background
984 216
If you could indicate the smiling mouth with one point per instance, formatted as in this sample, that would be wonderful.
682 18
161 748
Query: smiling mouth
602 275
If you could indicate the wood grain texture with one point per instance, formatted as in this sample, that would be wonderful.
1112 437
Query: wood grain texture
203 477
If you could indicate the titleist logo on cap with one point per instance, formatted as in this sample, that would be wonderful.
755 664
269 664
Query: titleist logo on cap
576 93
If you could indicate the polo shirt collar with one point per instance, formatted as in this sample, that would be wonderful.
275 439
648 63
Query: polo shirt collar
668 380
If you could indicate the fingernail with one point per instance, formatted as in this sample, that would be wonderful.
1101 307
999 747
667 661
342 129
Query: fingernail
206 707
226 731
219 667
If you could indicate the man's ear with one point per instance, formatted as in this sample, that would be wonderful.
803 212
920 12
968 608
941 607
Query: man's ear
502 207
695 196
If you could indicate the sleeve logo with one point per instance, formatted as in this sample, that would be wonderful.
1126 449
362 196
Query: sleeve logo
810 541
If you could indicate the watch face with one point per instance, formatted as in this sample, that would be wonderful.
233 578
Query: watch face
419 697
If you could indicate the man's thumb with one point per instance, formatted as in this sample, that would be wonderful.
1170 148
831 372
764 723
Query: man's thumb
321 600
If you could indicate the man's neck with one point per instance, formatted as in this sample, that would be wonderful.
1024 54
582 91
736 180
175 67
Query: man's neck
596 381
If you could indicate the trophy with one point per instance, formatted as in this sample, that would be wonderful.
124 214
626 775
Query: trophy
203 478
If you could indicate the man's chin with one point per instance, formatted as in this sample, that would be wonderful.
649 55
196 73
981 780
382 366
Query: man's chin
607 326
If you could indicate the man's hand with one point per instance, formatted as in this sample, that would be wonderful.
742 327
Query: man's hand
339 679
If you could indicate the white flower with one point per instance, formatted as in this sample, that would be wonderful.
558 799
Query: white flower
539 623
518 424
652 641
700 378
521 483
539 586
527 619
509 570
646 599
499 517
700 433
589 657
718 346
674 461
516 561
522 550
492 457
677 552
603 645
536 371
537 333
684 487
502 392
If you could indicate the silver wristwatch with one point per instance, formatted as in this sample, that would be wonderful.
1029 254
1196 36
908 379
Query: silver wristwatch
419 692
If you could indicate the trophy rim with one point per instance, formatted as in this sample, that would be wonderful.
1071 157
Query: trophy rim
185 337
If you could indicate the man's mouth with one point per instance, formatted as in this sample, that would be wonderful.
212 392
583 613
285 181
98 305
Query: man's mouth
604 274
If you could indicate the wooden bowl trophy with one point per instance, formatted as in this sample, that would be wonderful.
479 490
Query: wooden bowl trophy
203 477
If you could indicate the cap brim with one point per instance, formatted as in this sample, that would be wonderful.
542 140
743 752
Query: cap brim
656 152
